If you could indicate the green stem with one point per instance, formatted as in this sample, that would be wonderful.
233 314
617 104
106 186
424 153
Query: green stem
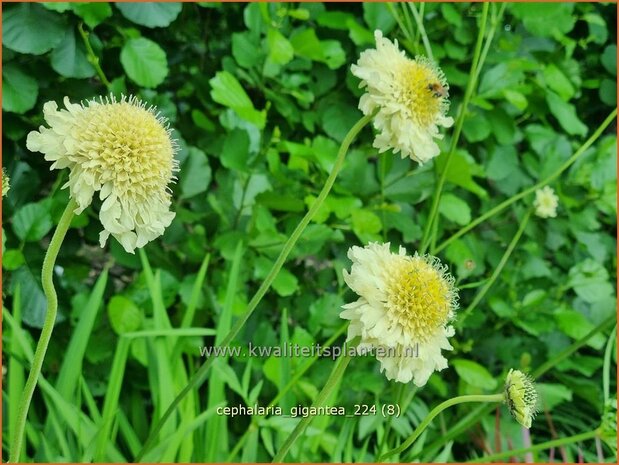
474 416
47 281
330 385
198 378
92 57
422 30
543 446
598 132
476 64
435 411
497 271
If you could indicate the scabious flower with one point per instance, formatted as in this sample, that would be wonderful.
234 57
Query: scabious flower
121 149
521 397
402 314
546 202
410 95
5 183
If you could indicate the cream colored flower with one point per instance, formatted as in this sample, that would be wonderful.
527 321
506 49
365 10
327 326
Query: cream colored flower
403 311
546 202
521 397
123 150
410 95
5 183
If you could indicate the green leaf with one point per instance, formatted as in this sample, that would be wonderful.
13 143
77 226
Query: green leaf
33 300
609 59
476 128
535 17
124 315
280 49
196 173
30 28
69 58
378 16
235 152
455 209
12 259
589 280
565 114
474 374
461 171
557 81
20 91
366 225
150 14
244 50
552 395
307 45
93 13
144 62
227 91
32 221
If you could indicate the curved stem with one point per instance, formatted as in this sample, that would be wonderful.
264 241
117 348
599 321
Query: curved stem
422 30
435 411
544 445
198 378
598 132
47 281
332 382
468 93
497 271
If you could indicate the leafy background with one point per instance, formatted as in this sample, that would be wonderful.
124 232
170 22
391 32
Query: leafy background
260 97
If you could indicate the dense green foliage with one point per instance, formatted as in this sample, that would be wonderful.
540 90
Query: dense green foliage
260 96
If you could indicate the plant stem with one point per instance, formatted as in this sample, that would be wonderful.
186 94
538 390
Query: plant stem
198 378
598 132
93 59
422 30
47 281
468 93
545 445
435 411
497 271
330 385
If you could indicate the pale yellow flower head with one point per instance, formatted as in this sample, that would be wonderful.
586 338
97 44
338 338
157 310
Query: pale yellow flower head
121 149
404 308
546 202
521 397
409 96
5 182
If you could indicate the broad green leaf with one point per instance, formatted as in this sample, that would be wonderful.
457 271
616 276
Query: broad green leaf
307 45
558 81
535 17
552 395
227 91
30 28
244 50
589 280
20 91
69 58
476 128
124 315
565 114
378 16
474 374
12 259
196 173
235 152
609 59
280 49
144 62
93 13
455 209
461 172
150 14
32 221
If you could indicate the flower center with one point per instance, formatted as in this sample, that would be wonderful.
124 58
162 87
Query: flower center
419 298
423 91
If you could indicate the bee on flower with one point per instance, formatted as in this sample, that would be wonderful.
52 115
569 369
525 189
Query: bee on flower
410 98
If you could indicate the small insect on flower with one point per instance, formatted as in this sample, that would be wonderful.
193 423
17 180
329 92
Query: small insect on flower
437 90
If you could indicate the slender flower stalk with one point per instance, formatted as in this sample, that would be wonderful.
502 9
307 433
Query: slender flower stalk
200 375
490 398
468 93
47 281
